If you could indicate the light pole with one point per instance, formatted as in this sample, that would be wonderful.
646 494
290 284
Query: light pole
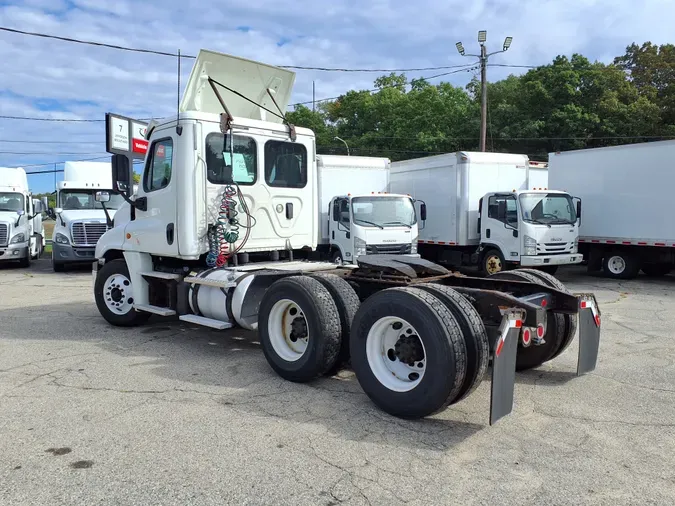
483 57
345 143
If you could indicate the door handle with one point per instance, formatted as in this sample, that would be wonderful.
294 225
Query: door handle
487 233
289 210
169 233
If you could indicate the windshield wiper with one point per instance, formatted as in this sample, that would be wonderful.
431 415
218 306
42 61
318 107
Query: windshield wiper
398 223
538 222
5 209
369 223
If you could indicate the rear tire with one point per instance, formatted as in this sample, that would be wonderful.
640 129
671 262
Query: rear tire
571 321
620 265
347 303
114 295
533 356
299 328
417 372
473 330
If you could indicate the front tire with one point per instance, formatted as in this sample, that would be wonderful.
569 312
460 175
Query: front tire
408 352
25 261
114 295
492 262
299 328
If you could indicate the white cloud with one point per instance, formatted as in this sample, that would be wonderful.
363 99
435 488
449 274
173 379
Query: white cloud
78 81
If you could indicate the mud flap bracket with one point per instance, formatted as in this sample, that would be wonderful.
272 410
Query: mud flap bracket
589 333
504 364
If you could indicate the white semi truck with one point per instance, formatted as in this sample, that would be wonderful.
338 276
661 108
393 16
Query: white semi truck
229 175
22 234
483 211
627 198
80 219
358 215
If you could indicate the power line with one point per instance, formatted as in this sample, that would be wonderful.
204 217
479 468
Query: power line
192 57
62 161
41 153
49 142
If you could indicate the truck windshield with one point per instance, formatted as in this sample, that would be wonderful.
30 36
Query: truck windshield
547 208
383 211
11 202
85 199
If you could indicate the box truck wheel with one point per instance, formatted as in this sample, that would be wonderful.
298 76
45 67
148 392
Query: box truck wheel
620 265
571 320
408 352
347 303
114 295
534 356
299 328
492 262
473 330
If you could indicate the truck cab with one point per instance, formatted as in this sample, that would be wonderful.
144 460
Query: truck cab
378 223
21 229
80 219
532 228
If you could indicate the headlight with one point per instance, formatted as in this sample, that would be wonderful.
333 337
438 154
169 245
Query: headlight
529 246
61 239
413 246
359 247
20 237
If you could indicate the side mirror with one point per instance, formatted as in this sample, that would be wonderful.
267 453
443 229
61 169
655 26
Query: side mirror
579 209
21 212
423 211
45 204
58 210
501 210
120 172
102 197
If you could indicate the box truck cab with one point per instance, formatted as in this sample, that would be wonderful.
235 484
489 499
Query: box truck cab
22 235
358 216
79 219
483 212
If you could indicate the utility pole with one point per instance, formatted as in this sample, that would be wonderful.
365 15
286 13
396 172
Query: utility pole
483 59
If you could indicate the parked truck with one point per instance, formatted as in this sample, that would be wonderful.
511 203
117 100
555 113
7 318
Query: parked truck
483 213
626 193
79 219
22 235
419 337
358 215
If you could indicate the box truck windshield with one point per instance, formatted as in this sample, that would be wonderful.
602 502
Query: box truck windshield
547 209
11 202
85 199
379 211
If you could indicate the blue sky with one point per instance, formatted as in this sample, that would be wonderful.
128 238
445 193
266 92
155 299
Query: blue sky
49 78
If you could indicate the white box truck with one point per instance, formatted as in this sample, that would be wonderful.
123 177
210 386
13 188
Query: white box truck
79 219
22 234
418 336
358 216
483 213
628 203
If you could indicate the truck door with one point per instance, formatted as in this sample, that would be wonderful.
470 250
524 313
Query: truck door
154 229
340 230
501 228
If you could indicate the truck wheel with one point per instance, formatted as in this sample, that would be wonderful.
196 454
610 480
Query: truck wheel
656 270
475 335
299 328
347 303
620 265
571 321
25 261
114 295
408 352
336 257
533 356
493 262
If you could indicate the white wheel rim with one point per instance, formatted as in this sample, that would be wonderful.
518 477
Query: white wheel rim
288 330
389 340
616 265
118 294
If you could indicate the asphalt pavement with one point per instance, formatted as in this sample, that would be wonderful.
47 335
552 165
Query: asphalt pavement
175 414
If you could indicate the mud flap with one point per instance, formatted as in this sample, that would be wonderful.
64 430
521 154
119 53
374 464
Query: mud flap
589 333
504 364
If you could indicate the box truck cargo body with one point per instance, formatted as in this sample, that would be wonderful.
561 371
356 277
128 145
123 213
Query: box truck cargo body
357 215
482 211
627 200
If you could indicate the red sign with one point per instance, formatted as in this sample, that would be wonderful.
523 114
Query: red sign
160 150
140 146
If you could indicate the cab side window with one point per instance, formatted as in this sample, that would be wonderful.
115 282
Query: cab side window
159 165
511 209
285 164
